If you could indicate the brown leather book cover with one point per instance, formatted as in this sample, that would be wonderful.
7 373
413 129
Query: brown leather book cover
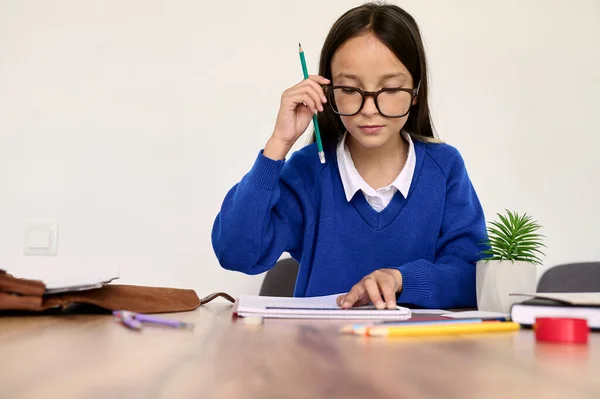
9 283
28 295
129 297
20 302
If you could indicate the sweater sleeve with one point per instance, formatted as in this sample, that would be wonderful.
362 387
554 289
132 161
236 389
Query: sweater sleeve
261 217
449 282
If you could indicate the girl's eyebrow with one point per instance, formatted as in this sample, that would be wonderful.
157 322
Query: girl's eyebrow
347 76
383 78
393 75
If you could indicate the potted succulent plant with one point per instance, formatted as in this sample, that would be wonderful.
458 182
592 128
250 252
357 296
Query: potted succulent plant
514 247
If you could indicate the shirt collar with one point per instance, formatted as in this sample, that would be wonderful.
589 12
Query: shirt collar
352 181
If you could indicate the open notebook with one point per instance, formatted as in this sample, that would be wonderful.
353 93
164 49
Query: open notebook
321 307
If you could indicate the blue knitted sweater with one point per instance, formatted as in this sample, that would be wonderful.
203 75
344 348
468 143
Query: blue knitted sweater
298 206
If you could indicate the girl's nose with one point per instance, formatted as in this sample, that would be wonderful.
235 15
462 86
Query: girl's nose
369 108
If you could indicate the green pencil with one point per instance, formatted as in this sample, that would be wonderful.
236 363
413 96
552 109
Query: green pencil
315 123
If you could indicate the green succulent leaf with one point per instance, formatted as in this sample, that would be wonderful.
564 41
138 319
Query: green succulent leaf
514 237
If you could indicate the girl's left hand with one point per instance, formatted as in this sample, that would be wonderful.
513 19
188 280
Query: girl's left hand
386 282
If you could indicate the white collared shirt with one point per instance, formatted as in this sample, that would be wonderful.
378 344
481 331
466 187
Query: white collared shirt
380 198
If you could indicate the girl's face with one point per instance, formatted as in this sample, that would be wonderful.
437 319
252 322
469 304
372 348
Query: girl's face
366 63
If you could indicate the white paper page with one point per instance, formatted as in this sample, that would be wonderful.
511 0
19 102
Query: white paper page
342 315
312 307
328 302
77 281
70 286
256 302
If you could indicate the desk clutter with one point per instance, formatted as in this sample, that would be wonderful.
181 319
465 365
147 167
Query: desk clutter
559 318
558 326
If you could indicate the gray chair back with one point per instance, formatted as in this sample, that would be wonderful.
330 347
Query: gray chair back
573 277
281 279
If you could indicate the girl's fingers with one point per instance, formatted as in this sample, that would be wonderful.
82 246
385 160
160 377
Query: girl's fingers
386 286
318 88
320 79
363 300
372 289
353 296
303 98
314 82
312 92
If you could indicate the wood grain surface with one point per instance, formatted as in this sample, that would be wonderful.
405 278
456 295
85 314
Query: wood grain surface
92 356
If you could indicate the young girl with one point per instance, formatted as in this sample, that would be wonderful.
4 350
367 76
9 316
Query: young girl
392 215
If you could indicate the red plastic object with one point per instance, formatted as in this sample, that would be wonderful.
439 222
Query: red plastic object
561 330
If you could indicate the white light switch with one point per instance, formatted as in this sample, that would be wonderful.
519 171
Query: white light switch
40 239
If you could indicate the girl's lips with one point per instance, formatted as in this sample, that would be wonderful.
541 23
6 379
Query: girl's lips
370 129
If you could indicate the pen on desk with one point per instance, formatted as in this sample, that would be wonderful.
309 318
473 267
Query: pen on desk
162 321
135 320
315 122
132 323
127 319
452 329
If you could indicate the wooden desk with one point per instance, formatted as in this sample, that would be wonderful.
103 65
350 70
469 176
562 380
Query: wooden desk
91 356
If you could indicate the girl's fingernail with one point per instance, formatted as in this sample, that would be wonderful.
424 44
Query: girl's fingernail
380 305
324 99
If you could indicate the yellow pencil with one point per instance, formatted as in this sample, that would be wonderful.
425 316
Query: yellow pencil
449 329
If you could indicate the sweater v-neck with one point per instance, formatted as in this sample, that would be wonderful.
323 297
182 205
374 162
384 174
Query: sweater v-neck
379 220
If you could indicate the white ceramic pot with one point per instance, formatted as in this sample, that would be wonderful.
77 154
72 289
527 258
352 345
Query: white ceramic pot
497 279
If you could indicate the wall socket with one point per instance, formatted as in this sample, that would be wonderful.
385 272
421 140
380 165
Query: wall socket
40 239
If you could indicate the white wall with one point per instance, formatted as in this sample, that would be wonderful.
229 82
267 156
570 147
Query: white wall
127 121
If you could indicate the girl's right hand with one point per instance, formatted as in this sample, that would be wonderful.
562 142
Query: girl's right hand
298 104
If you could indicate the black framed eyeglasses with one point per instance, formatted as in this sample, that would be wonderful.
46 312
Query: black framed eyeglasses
390 102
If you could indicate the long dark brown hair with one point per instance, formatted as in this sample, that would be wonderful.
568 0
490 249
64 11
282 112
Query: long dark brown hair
397 30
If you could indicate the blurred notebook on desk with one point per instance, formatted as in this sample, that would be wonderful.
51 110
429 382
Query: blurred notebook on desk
585 305
321 307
